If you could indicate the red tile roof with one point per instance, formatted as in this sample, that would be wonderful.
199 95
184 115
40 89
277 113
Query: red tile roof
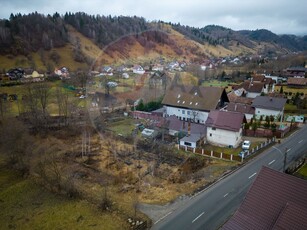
231 121
175 124
252 87
259 78
242 108
237 99
275 201
297 81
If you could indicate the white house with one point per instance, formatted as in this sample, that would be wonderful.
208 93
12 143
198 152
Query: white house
225 128
190 140
269 83
193 103
268 106
137 69
252 89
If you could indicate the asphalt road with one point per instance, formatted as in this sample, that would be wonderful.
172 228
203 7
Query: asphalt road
212 207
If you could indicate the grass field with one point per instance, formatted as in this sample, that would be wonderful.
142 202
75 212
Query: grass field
216 83
292 90
25 205
15 107
303 170
123 127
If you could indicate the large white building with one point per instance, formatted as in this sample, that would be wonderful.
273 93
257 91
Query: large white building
193 103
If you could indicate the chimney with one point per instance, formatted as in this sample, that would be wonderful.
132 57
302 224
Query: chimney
189 129
235 107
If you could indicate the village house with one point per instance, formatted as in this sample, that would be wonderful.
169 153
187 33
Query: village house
193 103
274 201
297 82
251 89
158 67
269 83
224 128
246 109
238 96
295 72
269 106
137 69
62 72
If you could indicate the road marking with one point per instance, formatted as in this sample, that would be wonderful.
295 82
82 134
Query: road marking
300 141
226 195
198 217
288 150
272 162
162 217
252 175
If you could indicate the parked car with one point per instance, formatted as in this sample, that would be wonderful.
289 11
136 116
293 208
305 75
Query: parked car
246 144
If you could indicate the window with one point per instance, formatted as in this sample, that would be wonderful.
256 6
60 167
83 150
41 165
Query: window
188 112
183 111
213 128
210 134
187 144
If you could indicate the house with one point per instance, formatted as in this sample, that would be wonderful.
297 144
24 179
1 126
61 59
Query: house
106 71
149 133
252 89
62 72
246 109
193 103
297 82
191 133
237 96
177 127
158 78
269 83
275 78
191 140
125 75
224 128
295 72
275 201
158 67
15 74
34 77
268 106
137 69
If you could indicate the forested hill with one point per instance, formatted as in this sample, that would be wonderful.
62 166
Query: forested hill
22 34
84 35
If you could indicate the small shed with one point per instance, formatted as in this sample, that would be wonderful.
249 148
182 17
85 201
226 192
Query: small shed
149 133
191 140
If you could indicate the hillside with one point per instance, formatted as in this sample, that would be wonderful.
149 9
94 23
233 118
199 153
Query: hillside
80 41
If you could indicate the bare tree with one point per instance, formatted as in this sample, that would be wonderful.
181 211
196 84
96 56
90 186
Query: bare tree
62 98
42 93
15 144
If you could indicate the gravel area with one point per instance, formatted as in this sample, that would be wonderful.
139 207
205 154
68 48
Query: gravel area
158 212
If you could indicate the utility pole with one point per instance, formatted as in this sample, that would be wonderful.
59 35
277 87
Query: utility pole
285 160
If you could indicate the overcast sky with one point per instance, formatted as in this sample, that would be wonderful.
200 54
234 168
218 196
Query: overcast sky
279 16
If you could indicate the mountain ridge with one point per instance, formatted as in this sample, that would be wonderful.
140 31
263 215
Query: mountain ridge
120 38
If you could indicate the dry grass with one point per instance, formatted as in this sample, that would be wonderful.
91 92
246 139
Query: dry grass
25 205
